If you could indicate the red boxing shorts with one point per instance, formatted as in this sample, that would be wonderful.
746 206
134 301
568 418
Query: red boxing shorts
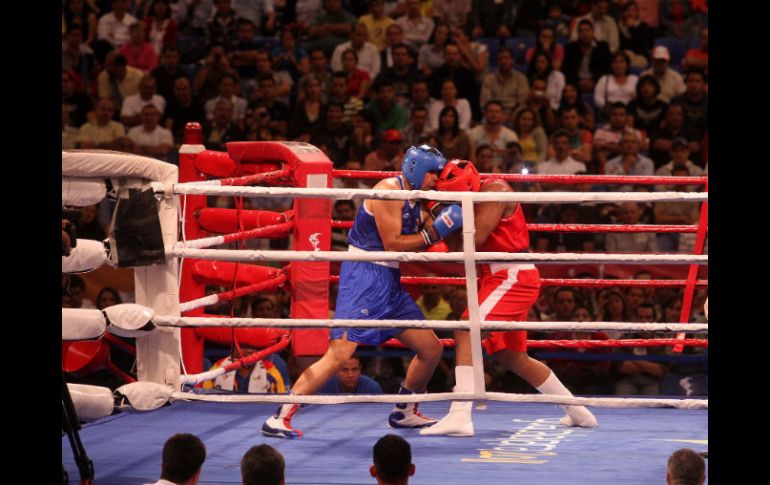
506 293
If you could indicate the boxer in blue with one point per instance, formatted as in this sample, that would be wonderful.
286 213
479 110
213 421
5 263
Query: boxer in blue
372 290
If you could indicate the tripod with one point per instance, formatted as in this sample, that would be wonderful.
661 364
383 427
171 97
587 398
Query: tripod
71 426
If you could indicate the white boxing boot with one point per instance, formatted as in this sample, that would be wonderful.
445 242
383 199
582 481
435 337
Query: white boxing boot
459 421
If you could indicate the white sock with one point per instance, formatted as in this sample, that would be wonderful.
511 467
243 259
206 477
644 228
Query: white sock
463 383
553 385
577 415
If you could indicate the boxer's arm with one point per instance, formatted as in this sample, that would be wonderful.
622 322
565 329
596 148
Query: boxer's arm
387 215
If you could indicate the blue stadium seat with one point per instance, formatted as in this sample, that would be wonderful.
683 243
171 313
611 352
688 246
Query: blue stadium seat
676 48
493 44
268 43
192 48
519 46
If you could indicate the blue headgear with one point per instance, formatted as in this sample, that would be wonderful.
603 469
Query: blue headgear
420 160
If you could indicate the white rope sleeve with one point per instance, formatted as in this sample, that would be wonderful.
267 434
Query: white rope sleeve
605 402
174 321
425 257
204 242
525 197
200 302
192 379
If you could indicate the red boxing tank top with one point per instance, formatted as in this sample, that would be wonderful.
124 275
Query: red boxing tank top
510 235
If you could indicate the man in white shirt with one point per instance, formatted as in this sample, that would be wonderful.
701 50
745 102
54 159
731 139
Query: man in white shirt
631 242
629 162
492 132
113 26
680 157
417 27
130 113
226 89
561 163
368 54
150 138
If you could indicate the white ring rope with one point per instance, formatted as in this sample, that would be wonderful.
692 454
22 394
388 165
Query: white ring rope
245 255
606 402
525 197
194 322
204 242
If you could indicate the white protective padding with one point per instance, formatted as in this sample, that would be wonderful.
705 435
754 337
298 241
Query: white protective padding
86 256
146 396
91 402
107 163
156 286
82 324
130 319
81 192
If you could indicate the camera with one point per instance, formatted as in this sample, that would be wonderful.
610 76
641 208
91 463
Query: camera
71 231
72 216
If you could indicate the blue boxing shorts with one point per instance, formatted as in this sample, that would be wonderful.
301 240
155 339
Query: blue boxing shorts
370 291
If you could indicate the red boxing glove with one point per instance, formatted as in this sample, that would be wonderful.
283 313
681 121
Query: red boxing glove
434 208
439 247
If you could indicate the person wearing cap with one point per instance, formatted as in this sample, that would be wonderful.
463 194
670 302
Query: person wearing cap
388 156
671 82
370 290
680 156
698 58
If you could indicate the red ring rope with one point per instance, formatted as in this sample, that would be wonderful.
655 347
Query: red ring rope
582 227
584 283
263 177
278 346
244 290
585 344
551 179
275 230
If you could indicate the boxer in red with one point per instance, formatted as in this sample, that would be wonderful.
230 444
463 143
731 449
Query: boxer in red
506 292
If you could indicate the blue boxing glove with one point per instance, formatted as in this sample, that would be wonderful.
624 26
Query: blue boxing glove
448 221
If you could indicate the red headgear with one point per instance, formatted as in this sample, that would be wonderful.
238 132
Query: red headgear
459 176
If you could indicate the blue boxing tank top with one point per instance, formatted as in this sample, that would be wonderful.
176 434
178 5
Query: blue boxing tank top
364 234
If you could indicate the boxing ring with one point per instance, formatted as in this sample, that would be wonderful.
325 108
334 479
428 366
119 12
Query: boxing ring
522 442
